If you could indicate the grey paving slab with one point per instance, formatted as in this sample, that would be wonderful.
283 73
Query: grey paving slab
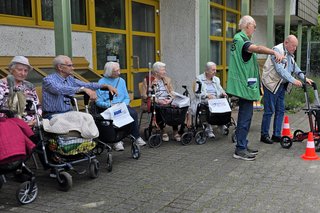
192 178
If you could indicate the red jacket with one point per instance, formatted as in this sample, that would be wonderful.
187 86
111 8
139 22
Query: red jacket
14 140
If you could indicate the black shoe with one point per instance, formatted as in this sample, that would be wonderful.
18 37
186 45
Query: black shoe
244 155
252 151
276 138
266 139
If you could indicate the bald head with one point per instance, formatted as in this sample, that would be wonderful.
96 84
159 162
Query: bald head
291 43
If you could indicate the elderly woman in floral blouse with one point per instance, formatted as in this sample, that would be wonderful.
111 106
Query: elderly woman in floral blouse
19 68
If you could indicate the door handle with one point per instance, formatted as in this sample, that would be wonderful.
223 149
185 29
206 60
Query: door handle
137 58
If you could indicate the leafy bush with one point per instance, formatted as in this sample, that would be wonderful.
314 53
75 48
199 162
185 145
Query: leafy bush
296 99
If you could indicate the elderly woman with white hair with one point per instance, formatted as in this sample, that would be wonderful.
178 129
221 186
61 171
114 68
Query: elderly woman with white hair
112 77
164 95
210 89
19 68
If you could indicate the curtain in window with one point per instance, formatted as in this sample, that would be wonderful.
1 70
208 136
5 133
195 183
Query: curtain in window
16 7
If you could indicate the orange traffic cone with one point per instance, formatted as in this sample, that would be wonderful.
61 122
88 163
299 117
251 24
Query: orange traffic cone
286 128
310 153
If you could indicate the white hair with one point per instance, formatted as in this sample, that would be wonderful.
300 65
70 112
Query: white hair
108 68
244 21
210 64
60 59
157 66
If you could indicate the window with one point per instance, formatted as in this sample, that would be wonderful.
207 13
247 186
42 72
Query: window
111 47
231 24
114 17
142 17
232 4
16 7
216 52
218 1
216 25
78 11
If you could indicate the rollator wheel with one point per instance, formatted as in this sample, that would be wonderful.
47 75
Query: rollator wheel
201 137
94 169
298 135
186 138
64 181
1 181
109 162
155 141
317 145
226 131
234 137
286 142
135 151
25 194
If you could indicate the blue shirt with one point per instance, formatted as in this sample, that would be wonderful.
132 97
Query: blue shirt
103 100
55 87
286 68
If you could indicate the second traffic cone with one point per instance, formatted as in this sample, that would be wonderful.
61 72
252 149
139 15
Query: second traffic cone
286 128
310 153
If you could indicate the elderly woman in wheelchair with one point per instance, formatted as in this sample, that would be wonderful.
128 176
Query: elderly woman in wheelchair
163 95
210 88
112 77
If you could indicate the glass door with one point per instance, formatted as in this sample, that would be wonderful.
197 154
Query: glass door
127 31
144 42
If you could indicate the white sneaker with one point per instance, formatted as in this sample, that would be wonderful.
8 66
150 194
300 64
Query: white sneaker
209 131
140 142
223 128
118 146
210 134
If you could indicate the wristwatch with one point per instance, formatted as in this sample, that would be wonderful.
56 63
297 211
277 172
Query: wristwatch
81 89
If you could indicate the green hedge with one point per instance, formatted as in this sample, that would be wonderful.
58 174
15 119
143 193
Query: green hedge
296 99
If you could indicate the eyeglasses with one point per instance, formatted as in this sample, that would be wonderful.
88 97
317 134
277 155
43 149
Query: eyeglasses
68 65
254 26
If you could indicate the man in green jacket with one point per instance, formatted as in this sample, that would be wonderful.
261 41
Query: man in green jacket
244 82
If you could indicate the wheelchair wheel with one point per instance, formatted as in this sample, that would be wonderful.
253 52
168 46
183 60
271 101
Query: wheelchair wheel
109 162
186 138
135 151
298 135
201 137
64 181
146 133
25 194
286 142
94 169
155 141
1 180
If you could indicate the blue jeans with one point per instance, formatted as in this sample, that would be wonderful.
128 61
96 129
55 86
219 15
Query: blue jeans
135 128
273 104
243 125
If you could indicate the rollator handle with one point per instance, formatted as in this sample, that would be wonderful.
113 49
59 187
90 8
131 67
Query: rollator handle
198 91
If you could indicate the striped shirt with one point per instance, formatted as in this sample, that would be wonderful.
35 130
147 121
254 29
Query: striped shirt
55 87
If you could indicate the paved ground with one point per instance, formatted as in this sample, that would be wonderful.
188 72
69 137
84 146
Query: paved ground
192 178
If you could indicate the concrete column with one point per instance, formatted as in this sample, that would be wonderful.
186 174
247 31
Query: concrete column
204 25
245 7
270 24
62 27
298 60
287 18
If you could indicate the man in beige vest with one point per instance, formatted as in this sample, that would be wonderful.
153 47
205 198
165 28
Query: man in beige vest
276 79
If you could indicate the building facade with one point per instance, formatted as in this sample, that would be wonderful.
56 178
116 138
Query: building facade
184 34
